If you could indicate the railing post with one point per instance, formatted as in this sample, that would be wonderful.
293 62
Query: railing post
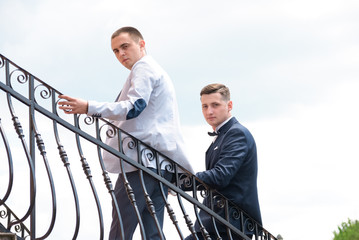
32 154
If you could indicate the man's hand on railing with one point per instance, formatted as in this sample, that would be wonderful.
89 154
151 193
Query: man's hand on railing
73 105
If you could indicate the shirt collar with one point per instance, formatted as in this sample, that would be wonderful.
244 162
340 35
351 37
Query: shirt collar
221 125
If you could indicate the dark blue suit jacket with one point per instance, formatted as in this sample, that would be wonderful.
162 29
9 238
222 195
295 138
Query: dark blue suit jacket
231 169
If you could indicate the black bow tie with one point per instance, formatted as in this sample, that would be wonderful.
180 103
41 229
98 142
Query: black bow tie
212 134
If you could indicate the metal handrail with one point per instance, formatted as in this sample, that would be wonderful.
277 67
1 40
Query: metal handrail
43 103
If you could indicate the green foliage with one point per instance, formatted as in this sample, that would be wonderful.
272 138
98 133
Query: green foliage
347 231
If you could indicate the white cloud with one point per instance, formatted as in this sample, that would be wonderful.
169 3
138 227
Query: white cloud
308 160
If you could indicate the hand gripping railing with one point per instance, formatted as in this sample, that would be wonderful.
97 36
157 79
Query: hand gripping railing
39 103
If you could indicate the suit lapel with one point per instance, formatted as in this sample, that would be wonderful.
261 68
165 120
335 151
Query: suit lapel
210 153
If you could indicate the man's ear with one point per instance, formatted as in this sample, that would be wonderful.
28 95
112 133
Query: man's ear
230 105
142 44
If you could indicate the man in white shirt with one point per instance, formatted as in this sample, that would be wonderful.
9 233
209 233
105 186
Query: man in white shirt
147 109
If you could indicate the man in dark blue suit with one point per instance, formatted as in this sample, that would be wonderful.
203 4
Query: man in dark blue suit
231 164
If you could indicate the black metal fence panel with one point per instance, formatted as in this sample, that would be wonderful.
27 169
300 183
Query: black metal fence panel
53 181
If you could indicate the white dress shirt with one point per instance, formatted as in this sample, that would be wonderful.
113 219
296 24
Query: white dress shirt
146 109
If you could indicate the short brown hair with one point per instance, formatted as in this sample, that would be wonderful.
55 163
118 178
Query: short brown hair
133 32
217 88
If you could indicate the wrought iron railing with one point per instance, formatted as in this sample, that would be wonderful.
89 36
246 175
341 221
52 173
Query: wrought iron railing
41 179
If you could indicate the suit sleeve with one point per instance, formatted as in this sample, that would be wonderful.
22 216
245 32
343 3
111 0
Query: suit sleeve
233 151
138 95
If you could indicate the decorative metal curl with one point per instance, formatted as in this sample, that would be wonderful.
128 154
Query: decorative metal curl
2 61
3 214
18 228
168 165
55 107
148 154
45 93
219 201
249 224
235 212
263 235
89 120
22 78
185 180
110 132
130 142
204 192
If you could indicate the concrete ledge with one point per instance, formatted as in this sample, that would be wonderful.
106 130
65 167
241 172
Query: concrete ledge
7 236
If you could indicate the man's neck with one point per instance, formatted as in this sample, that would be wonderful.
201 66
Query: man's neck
221 125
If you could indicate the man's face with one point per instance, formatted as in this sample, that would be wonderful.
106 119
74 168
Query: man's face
127 51
215 110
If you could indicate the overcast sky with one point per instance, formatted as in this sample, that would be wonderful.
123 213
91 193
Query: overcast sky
292 67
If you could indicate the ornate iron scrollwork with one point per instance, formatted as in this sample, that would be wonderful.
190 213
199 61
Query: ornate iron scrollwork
22 77
130 142
133 149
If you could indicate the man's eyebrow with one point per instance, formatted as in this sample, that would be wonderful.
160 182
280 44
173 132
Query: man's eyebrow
123 44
